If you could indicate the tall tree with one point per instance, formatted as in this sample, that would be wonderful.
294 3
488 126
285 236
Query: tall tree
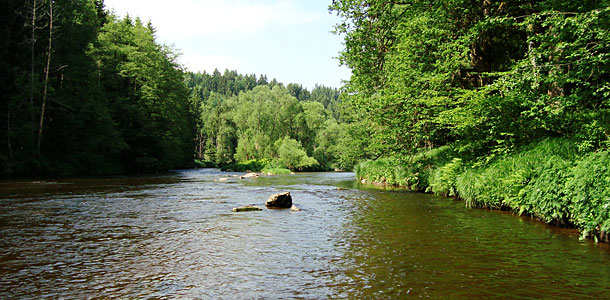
47 70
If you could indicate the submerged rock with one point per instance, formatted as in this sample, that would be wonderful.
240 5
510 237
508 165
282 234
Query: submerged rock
294 208
249 175
281 200
246 208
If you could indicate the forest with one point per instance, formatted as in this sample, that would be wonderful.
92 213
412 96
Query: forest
86 92
503 104
248 121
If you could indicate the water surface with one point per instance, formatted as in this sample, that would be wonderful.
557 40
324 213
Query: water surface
174 236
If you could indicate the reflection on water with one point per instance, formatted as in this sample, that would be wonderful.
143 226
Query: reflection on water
174 236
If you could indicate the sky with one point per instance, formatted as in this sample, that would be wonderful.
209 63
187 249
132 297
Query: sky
289 40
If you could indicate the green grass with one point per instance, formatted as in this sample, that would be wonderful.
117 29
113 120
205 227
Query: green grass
247 166
550 180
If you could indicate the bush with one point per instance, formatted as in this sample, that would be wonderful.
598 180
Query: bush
443 179
550 180
503 183
589 192
545 195
412 172
293 156
254 165
205 164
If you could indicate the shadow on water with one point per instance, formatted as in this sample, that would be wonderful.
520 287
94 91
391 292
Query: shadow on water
175 236
404 243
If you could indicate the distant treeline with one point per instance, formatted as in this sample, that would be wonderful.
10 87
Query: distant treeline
241 118
87 92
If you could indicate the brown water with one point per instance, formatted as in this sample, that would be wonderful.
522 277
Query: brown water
175 237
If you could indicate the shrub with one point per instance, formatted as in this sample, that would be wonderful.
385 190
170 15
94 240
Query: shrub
293 156
443 179
589 193
253 165
545 195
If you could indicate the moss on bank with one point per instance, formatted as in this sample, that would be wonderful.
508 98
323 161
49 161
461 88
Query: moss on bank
549 180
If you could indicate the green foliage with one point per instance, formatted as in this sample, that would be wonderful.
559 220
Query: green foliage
517 91
588 191
382 170
414 172
204 164
443 179
116 98
248 120
545 195
253 165
293 156
148 96
484 77
274 167
549 179
504 183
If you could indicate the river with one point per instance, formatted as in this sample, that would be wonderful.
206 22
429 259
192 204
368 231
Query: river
174 236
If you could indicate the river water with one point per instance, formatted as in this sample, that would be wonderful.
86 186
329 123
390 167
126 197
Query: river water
174 236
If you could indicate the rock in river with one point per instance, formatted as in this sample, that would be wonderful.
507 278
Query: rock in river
281 200
249 175
247 208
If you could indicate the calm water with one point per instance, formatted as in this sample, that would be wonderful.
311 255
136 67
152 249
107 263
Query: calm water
175 237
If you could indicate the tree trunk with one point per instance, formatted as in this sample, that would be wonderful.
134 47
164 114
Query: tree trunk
46 82
8 139
32 44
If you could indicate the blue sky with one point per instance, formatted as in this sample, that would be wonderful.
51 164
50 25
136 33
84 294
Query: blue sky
289 40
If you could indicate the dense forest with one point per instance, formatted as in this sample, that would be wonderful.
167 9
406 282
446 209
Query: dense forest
504 104
248 120
88 92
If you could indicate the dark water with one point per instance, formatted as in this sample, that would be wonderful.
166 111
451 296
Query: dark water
175 237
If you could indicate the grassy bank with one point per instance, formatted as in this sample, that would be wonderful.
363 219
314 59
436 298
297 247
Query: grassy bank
550 180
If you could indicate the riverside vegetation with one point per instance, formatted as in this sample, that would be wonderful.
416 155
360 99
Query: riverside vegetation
87 92
504 104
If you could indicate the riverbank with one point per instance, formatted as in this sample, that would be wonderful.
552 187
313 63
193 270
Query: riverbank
550 180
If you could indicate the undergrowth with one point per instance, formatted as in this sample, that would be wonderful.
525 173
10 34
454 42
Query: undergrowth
264 166
550 180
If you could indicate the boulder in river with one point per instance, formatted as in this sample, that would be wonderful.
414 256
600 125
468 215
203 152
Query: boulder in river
294 208
249 175
247 208
281 200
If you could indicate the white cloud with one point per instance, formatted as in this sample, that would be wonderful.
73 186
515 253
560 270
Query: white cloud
284 39
185 19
